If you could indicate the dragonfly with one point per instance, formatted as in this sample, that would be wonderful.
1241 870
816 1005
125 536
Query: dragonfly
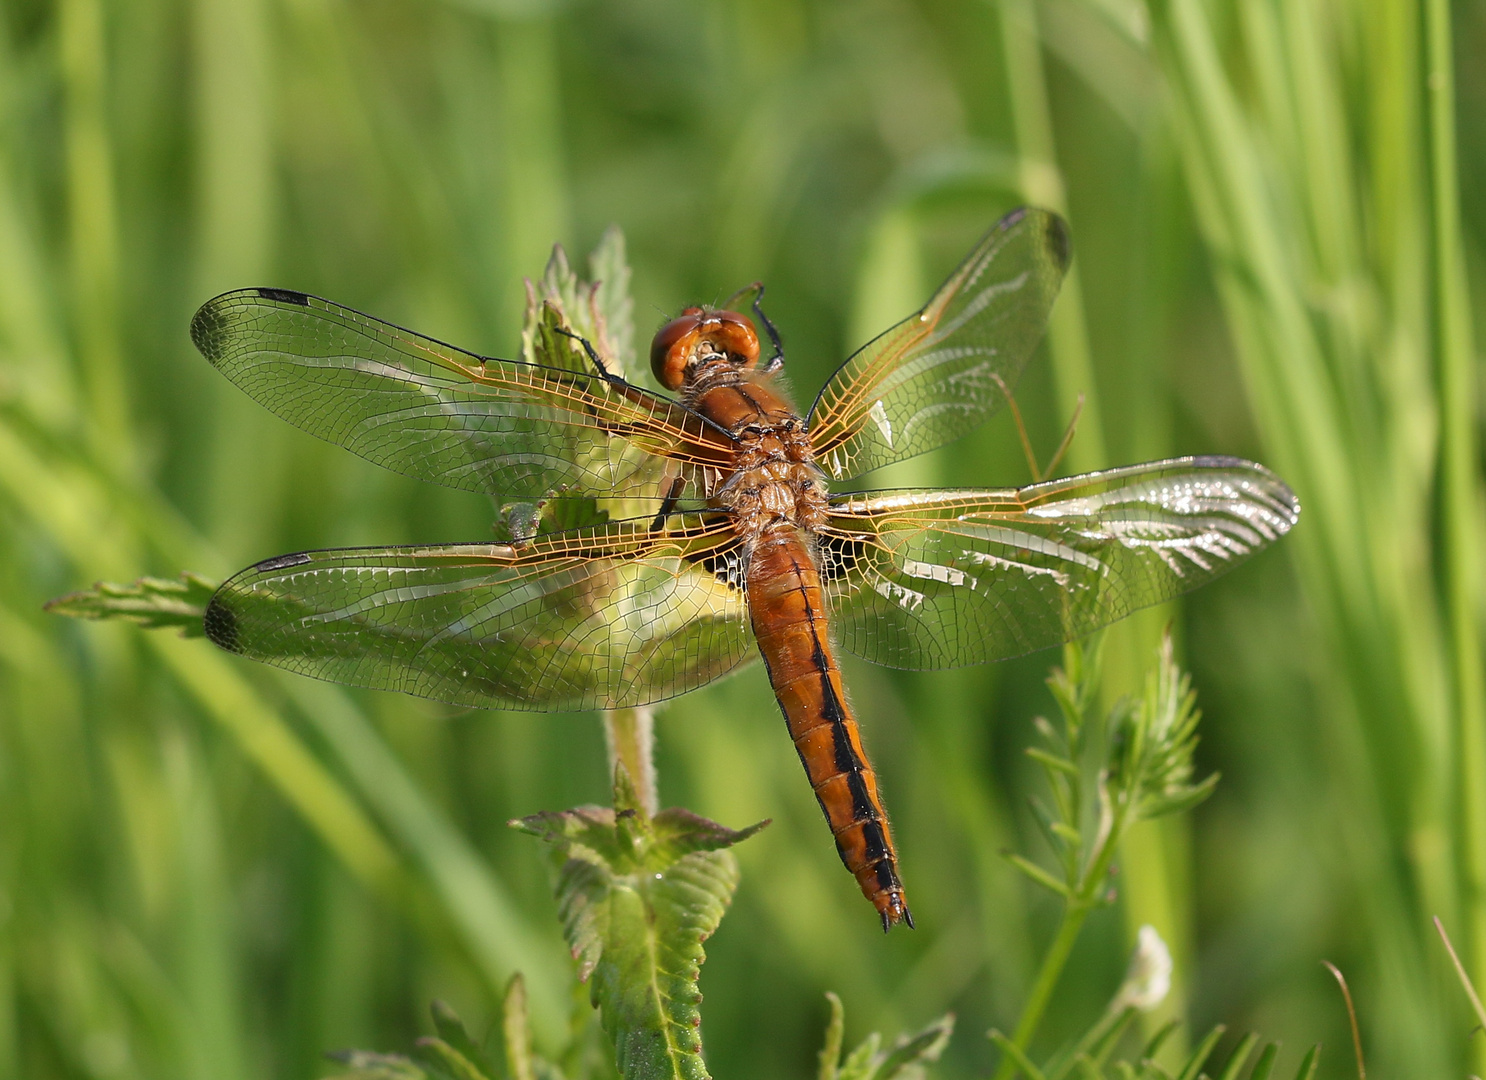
658 543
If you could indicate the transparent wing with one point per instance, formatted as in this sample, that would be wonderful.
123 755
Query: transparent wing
603 617
429 410
933 377
938 579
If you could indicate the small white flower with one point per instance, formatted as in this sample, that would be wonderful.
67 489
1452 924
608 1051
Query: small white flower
1148 979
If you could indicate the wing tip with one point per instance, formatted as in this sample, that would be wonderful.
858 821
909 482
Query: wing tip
1059 241
1276 487
207 327
1058 237
284 296
209 324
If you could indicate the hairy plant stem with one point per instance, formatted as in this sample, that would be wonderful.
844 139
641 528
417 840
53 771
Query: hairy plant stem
630 737
1076 909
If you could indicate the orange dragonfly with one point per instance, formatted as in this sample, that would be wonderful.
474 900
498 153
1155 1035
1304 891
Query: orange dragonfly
694 534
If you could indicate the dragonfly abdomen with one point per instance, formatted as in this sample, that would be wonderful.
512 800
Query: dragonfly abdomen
789 622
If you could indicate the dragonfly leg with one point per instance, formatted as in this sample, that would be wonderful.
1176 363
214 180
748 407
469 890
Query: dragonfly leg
1021 428
603 368
776 362
1039 474
1078 409
669 503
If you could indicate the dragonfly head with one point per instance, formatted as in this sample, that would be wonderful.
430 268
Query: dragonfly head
701 337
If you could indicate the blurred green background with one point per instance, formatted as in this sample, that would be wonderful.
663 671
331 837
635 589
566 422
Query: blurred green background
211 871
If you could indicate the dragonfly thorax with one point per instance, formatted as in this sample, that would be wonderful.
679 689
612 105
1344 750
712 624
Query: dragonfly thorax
775 484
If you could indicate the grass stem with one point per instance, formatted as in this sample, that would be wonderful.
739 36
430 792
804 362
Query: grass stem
1459 492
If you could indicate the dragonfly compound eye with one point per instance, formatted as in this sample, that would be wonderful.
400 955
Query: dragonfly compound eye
672 346
701 331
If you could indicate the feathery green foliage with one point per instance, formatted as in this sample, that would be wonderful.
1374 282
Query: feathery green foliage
151 603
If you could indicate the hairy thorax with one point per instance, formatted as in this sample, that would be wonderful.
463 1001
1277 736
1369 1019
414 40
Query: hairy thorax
775 483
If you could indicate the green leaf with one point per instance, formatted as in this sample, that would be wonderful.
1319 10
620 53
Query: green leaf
1238 1057
543 340
516 1031
559 515
1180 800
1265 1065
153 603
1049 826
1104 1045
601 311
860 1063
1037 874
452 1031
365 1065
1052 762
454 1055
637 897
614 310
911 1053
1201 1054
446 1062
1091 1050
1013 1051
830 1052
1309 1064
905 1061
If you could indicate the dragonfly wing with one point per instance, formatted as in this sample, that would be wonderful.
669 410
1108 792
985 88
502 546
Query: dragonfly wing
605 617
934 376
939 579
426 409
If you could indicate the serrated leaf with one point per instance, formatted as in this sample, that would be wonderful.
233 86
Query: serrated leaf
911 1053
600 311
608 267
637 897
365 1065
547 342
830 1051
153 603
